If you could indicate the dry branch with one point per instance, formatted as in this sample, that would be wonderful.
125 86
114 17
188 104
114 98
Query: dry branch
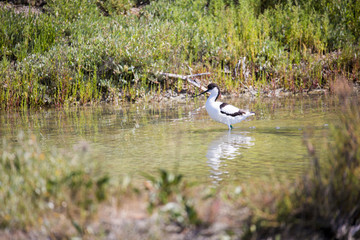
187 78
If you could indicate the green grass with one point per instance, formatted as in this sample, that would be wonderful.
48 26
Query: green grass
87 51
170 192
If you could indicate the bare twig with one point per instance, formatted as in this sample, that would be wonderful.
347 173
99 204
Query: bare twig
187 78
197 75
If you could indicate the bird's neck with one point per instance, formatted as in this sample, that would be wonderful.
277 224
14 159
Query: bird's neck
214 96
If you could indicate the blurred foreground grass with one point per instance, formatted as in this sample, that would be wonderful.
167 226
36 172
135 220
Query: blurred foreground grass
325 202
36 186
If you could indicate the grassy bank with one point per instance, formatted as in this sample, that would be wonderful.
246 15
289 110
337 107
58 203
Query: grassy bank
80 52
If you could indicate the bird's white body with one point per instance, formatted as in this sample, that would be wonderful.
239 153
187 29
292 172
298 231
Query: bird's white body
223 112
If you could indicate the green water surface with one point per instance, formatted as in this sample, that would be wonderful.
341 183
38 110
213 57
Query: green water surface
129 140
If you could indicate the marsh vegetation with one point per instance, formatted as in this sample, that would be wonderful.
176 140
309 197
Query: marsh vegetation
80 52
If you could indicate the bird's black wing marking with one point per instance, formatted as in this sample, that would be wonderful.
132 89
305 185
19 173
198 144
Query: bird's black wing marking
233 114
223 105
239 113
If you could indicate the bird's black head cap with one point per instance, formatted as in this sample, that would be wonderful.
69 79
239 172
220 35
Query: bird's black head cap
212 86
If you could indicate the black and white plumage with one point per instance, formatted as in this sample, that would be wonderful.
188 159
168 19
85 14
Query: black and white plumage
223 112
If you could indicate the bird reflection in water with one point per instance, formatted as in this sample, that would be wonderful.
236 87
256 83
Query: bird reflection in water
226 147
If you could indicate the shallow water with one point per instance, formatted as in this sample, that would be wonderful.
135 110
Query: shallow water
129 140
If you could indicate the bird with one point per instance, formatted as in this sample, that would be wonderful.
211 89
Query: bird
223 112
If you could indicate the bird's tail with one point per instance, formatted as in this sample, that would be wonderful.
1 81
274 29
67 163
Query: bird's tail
248 114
